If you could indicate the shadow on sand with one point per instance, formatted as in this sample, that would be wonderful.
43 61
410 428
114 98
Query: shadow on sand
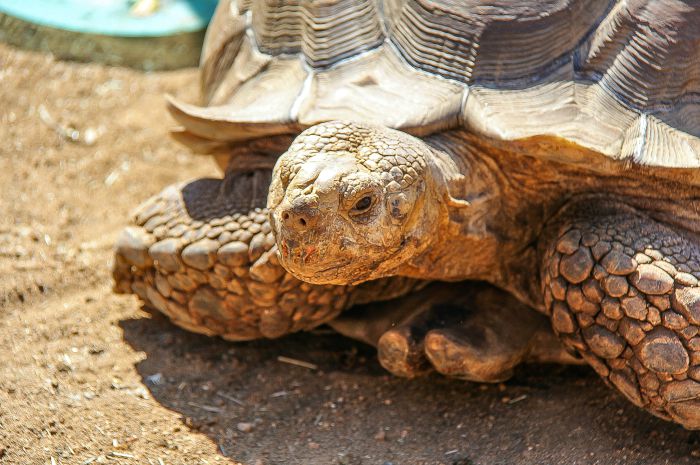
349 411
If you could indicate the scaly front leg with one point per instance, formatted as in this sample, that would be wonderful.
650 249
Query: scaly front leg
622 289
203 254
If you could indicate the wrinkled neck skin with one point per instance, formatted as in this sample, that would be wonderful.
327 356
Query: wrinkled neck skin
481 240
459 247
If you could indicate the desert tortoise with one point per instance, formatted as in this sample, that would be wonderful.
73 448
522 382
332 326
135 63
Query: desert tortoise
557 160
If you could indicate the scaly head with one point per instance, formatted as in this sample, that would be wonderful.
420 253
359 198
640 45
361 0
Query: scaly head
351 202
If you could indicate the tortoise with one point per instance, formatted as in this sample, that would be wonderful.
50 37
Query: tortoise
465 185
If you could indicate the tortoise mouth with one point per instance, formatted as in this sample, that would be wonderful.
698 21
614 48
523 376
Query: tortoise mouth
312 264
308 263
331 274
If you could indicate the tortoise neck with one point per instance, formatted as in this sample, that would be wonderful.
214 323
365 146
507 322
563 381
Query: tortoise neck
467 174
467 242
462 189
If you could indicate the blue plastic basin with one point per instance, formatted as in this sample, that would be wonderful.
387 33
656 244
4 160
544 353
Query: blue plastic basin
113 17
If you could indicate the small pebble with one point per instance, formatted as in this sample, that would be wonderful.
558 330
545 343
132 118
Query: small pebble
155 379
245 427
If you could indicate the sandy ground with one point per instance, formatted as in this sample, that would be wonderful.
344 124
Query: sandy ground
90 377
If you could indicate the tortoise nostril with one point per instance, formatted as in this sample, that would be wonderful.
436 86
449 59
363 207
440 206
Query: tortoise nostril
298 219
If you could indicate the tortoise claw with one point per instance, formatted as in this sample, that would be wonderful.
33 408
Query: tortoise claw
400 351
458 353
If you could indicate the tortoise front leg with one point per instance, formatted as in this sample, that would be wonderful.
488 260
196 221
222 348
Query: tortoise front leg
203 254
622 289
467 330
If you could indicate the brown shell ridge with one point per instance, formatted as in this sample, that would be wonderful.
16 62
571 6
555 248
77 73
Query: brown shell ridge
639 44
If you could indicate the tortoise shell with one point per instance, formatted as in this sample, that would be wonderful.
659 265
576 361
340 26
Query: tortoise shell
562 78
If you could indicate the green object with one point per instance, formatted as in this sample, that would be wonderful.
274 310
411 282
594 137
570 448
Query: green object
108 31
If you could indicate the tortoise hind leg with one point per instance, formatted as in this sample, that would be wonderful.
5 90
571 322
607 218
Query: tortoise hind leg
491 338
622 289
467 330
202 253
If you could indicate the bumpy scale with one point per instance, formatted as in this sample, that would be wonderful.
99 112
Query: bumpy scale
622 289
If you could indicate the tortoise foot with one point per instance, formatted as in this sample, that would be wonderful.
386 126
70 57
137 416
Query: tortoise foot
488 342
467 330
622 289
460 352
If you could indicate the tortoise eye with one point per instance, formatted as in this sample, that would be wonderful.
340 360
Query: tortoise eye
362 205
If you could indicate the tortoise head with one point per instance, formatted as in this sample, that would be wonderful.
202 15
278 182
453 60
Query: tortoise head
352 202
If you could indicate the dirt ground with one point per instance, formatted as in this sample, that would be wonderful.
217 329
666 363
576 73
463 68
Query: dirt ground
87 376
